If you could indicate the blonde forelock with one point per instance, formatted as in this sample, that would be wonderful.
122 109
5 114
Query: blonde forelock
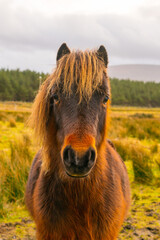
83 69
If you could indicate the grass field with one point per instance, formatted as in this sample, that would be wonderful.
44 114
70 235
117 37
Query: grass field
136 135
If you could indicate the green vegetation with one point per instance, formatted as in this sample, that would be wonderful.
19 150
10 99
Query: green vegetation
16 167
135 93
130 149
138 141
16 154
135 133
16 85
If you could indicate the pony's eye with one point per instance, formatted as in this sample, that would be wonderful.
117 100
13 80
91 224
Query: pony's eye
55 97
105 100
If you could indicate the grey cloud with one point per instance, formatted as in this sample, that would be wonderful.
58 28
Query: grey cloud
151 10
134 36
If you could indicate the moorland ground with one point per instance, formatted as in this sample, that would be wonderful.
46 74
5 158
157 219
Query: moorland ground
135 133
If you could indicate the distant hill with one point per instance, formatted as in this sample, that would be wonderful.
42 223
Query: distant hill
139 72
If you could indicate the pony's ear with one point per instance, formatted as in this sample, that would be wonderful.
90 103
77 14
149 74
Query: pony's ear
62 51
102 54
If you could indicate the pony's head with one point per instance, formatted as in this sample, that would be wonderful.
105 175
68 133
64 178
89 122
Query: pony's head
70 111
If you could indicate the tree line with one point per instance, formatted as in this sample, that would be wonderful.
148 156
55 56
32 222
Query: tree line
16 85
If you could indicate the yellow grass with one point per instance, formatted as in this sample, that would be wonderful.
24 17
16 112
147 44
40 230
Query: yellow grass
136 137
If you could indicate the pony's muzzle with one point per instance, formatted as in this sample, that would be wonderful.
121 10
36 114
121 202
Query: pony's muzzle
78 164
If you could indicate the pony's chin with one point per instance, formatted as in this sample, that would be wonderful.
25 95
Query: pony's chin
77 175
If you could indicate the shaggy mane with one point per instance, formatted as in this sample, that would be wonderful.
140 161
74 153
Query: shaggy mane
84 69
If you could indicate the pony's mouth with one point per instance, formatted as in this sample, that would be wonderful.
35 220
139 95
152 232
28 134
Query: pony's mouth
75 175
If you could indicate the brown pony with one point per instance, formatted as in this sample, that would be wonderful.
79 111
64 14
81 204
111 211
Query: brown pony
78 186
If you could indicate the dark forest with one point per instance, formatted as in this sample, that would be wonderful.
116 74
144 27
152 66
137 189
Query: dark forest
16 85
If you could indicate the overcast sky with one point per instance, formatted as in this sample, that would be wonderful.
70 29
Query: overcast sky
31 31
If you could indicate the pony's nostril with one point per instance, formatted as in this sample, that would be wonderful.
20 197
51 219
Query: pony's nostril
91 157
68 156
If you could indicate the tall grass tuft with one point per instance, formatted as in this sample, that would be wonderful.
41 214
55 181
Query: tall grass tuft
20 117
2 116
158 162
135 128
2 210
12 122
15 169
140 157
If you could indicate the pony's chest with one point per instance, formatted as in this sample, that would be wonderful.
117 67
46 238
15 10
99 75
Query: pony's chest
71 215
62 208
77 210
76 223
